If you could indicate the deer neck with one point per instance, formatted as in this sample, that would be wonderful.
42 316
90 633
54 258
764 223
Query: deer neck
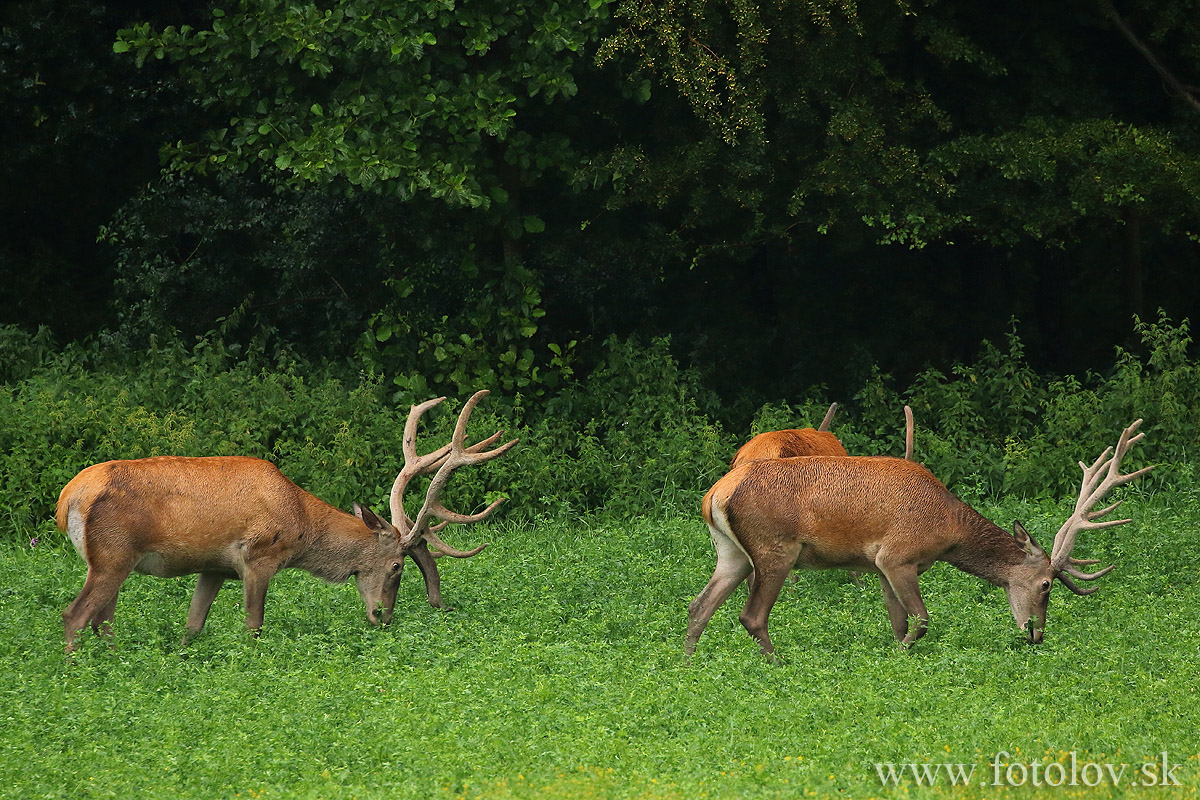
332 544
984 549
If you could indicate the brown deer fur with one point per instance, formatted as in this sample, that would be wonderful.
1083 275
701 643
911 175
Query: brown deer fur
884 515
224 517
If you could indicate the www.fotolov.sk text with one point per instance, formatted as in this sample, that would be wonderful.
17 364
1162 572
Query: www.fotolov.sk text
1004 771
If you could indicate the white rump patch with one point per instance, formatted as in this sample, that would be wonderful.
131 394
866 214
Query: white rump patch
727 546
75 530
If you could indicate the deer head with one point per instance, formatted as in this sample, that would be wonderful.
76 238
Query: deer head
1029 587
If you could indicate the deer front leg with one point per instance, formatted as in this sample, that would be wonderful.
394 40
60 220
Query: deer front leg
254 592
902 579
207 586
895 609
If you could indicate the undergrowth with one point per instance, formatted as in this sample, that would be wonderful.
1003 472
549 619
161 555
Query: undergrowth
637 436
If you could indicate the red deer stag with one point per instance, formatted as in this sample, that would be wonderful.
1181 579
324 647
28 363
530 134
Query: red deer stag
240 518
889 516
792 442
807 442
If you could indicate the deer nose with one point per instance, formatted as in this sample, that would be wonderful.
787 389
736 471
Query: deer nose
1035 635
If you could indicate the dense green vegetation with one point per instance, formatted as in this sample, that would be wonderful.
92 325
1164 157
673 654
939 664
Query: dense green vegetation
560 674
484 193
651 230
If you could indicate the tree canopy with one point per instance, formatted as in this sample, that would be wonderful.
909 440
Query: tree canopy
795 191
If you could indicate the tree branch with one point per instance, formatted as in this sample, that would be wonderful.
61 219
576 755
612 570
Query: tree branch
1187 93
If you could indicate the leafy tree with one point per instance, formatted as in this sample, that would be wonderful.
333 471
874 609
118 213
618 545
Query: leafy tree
461 103
1039 163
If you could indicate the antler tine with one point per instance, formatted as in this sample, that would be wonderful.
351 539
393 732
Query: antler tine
1088 576
825 423
1070 584
1098 479
414 464
459 455
908 433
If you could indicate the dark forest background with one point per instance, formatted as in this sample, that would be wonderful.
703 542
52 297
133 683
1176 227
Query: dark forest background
801 196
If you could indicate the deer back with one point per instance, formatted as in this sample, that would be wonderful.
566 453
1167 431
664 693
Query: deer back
191 513
789 444
841 509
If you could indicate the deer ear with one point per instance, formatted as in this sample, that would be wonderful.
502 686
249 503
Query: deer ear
368 517
1025 540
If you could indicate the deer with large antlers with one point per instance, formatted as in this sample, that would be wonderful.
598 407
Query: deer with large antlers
240 518
892 517
795 442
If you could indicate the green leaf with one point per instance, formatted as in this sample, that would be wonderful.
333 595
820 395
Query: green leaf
534 224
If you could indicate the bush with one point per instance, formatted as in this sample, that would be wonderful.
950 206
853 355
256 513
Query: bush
635 436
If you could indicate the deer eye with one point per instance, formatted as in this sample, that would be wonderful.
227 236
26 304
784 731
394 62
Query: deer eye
395 566
1045 586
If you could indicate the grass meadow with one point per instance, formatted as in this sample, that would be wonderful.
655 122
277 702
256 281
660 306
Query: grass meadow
560 674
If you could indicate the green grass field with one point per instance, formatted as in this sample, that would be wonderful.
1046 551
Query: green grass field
560 675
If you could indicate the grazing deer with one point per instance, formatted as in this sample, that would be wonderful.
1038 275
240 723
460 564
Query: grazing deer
889 516
792 442
807 442
240 518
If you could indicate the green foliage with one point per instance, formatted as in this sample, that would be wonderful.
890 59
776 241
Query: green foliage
927 122
485 338
338 434
560 674
405 98
632 438
999 428
637 435
303 263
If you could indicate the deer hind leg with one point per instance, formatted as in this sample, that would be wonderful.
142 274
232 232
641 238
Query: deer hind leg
900 581
768 581
207 586
102 621
96 602
733 567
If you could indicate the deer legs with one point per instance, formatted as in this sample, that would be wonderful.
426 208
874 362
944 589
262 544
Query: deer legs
902 596
207 586
733 567
96 603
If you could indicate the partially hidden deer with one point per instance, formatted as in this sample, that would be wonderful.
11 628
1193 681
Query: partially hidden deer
795 442
890 516
239 518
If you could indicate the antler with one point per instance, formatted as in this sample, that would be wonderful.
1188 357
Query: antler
825 423
1103 475
908 433
442 462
